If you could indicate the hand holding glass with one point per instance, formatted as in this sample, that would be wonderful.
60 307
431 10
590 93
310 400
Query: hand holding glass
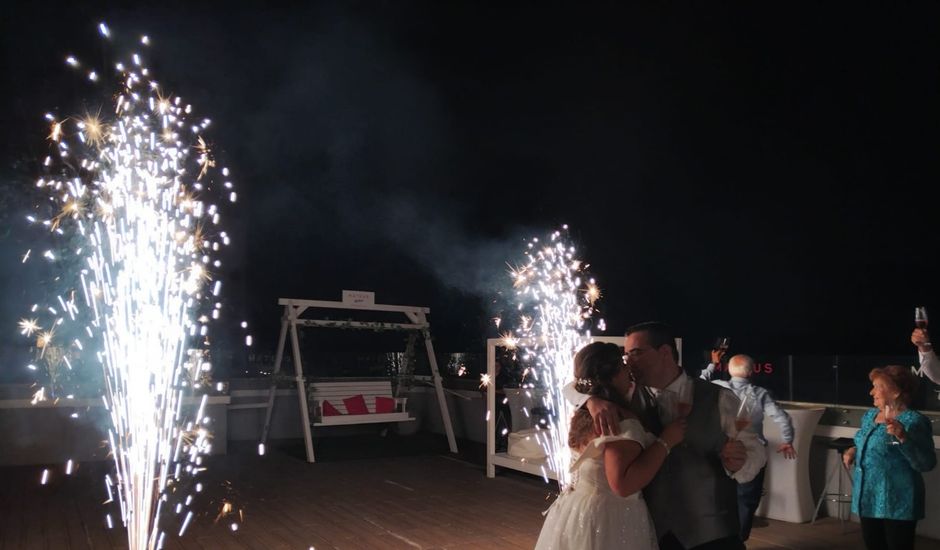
890 416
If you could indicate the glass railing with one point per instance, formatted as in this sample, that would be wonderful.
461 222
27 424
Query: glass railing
833 379
826 379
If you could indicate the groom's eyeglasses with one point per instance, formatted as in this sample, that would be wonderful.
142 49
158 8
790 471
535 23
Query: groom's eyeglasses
634 353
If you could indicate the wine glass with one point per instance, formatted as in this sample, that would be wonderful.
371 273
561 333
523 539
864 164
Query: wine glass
890 415
743 417
920 320
920 317
684 401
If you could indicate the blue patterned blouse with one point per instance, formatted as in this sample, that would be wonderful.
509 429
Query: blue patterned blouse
887 482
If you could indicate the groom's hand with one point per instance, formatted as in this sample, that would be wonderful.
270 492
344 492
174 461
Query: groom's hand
733 455
605 415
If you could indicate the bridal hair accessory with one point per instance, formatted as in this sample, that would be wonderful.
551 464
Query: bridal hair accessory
583 385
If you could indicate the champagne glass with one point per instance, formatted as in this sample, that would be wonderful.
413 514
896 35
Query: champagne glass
668 403
743 417
890 415
724 343
684 401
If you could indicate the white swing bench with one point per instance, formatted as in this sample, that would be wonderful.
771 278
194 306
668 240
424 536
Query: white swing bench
335 390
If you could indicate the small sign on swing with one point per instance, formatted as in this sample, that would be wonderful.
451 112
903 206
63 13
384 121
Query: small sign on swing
359 297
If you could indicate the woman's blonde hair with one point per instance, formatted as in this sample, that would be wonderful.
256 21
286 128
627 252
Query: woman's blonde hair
901 378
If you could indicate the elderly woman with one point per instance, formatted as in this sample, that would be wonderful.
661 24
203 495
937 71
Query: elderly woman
892 448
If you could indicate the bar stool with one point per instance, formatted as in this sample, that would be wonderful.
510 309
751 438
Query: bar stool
839 445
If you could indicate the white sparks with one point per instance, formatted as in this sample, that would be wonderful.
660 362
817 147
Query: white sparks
126 192
45 477
260 449
553 307
40 395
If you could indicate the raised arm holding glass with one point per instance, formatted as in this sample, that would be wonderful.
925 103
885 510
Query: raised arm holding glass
929 362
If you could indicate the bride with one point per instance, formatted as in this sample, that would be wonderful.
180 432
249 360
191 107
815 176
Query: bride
605 508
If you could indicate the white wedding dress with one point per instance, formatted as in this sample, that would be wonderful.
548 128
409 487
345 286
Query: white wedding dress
590 516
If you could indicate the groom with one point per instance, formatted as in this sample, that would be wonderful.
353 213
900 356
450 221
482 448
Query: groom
693 498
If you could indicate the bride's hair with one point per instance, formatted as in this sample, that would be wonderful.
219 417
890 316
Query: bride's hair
594 369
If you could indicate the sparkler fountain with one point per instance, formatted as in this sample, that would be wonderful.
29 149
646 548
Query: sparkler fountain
129 195
555 306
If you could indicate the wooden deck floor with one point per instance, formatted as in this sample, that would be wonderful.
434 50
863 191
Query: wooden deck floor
382 500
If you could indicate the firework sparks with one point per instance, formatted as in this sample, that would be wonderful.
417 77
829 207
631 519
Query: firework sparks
592 293
509 341
39 395
555 307
29 326
131 191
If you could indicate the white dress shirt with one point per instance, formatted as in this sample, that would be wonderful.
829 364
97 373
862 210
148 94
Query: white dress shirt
930 366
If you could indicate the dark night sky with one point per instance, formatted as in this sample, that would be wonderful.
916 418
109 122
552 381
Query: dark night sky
760 171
